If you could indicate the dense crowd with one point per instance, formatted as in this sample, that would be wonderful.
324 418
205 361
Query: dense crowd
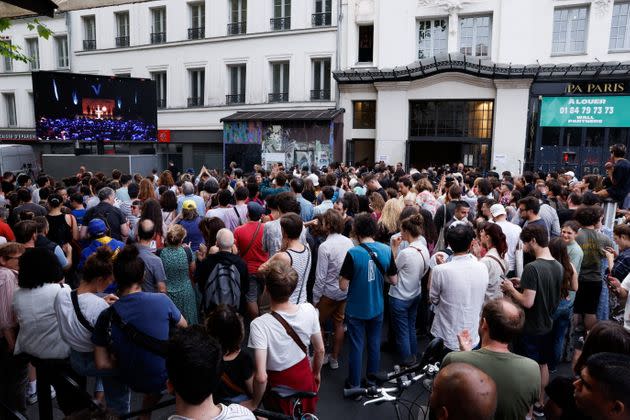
216 287
92 129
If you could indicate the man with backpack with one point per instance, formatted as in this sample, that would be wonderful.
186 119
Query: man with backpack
222 277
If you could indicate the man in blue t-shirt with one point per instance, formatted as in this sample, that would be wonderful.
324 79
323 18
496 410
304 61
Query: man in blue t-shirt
363 275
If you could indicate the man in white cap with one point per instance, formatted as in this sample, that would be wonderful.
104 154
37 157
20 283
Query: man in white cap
512 234
570 177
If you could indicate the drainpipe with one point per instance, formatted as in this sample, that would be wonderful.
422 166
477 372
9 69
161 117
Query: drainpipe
69 32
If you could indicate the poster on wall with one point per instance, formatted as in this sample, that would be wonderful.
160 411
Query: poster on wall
268 159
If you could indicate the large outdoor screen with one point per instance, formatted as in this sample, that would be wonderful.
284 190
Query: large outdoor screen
84 107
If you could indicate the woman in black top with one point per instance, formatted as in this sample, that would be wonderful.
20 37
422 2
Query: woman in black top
62 228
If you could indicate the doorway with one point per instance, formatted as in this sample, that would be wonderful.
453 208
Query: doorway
425 154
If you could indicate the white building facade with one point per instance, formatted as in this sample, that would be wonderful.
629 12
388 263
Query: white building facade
210 59
430 82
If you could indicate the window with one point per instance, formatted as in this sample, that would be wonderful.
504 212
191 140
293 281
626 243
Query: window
238 75
8 62
160 88
32 48
61 43
474 36
197 82
197 21
471 119
432 38
122 74
279 82
281 20
366 43
619 33
569 30
321 79
323 13
238 17
122 29
364 114
9 103
158 28
89 32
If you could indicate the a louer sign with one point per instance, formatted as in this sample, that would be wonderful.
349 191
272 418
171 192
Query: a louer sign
585 111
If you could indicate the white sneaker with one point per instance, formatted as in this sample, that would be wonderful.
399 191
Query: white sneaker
32 398
53 393
333 363
326 359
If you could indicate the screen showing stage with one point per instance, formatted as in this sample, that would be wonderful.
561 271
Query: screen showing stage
84 107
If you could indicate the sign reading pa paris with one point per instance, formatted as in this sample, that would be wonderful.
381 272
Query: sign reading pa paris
585 111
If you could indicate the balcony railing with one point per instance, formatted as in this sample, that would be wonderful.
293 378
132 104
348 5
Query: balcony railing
321 19
237 28
89 44
280 24
235 99
158 37
122 41
161 103
197 33
279 97
195 102
320 95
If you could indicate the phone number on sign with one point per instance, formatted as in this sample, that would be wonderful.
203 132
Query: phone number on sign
595 110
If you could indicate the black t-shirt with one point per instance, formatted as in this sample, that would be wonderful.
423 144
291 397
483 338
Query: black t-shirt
238 371
112 216
564 215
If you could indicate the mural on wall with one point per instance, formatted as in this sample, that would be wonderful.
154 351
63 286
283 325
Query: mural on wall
290 143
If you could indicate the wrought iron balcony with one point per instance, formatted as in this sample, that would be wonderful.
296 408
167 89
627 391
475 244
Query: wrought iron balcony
161 103
235 99
237 28
320 95
197 33
279 97
321 19
89 44
280 24
158 37
195 102
122 41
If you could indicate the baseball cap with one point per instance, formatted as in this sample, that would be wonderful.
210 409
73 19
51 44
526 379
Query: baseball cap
497 210
97 227
570 173
189 205
255 210
314 178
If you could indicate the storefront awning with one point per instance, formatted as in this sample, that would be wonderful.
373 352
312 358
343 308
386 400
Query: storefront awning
484 68
301 115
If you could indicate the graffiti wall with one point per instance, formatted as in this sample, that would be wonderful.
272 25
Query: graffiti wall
302 143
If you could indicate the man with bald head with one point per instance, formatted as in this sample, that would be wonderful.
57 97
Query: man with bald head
154 275
501 321
224 255
463 392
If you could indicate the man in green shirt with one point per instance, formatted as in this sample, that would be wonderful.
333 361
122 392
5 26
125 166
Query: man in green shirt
517 377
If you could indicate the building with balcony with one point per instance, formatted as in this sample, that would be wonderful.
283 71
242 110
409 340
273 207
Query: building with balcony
479 82
209 60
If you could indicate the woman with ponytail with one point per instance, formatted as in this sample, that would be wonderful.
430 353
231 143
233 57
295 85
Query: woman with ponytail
63 227
493 240
404 297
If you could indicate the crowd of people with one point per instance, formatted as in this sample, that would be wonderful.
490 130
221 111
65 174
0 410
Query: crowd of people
217 287
92 129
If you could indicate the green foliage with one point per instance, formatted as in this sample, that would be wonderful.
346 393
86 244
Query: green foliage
7 49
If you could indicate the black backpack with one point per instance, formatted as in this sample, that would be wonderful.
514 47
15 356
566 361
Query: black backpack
223 286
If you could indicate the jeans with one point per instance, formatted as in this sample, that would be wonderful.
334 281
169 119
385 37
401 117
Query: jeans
358 329
404 314
561 322
117 395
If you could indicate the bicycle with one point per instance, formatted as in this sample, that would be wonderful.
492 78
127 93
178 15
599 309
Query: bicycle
295 396
427 368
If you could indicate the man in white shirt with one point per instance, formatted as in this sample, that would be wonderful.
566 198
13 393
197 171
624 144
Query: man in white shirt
328 192
512 234
193 365
225 211
457 289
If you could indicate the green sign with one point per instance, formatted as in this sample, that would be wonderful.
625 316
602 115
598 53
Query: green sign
585 111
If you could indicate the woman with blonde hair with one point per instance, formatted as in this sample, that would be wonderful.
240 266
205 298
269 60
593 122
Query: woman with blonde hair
179 264
146 190
425 198
389 222
376 205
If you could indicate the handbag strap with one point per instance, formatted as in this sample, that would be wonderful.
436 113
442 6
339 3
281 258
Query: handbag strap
289 329
227 381
137 337
249 245
424 260
499 262
374 258
77 310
